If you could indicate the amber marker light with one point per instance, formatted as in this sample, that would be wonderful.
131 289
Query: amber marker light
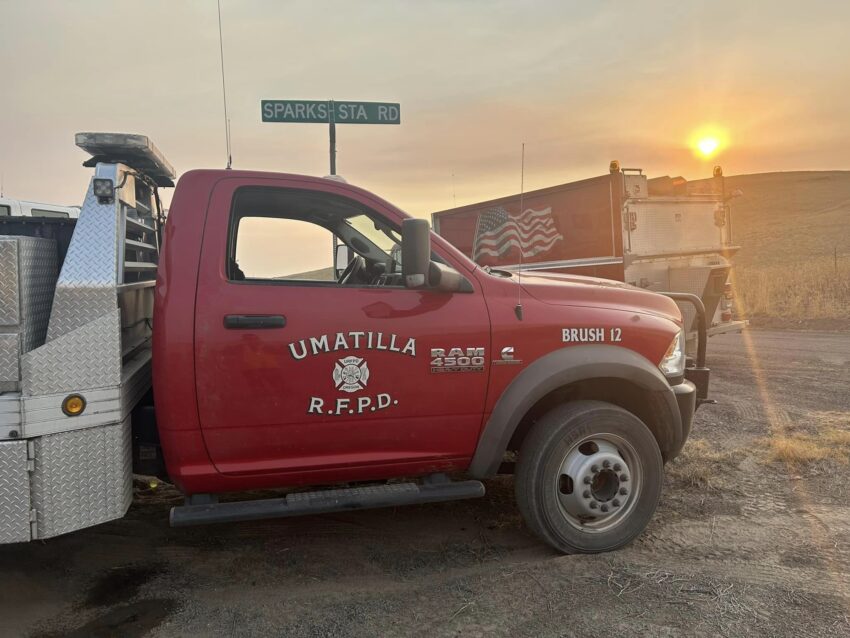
73 405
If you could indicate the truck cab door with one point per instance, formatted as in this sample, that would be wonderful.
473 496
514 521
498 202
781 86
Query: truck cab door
320 380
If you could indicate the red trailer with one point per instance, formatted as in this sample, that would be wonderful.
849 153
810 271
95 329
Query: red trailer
659 234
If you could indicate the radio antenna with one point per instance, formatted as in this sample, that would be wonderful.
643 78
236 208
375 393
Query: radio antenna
454 195
224 89
518 309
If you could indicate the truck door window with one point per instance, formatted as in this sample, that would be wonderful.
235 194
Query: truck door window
285 236
5 211
277 248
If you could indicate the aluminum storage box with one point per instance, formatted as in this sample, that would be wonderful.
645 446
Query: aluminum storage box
28 273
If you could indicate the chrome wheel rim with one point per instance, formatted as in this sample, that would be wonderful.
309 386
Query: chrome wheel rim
599 482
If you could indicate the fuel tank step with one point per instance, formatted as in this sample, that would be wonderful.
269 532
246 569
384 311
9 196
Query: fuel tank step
432 489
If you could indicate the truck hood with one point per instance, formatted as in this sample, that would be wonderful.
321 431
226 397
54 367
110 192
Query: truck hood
576 290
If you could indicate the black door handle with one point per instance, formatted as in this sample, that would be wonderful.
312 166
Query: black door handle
248 322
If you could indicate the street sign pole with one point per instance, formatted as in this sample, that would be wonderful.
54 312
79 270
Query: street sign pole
332 136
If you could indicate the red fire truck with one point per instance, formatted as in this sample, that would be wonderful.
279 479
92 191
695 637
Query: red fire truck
212 351
661 234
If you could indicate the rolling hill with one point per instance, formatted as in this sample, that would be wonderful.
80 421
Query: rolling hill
793 217
794 232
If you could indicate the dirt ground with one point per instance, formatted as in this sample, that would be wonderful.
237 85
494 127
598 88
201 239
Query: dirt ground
740 544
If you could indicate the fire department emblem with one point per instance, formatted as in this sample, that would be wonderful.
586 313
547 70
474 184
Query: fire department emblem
350 374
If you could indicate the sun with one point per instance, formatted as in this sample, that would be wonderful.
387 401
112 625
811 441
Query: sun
707 146
708 140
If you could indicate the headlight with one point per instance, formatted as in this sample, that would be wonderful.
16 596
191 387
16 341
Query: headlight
673 363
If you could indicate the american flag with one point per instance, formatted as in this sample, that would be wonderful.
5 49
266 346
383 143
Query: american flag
497 232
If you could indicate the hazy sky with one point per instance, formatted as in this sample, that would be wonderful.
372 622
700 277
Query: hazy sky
580 83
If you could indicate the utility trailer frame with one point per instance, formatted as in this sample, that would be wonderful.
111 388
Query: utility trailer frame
84 334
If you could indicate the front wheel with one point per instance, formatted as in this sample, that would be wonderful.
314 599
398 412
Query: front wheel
589 477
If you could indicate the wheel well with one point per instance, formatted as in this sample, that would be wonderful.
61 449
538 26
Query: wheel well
645 405
147 452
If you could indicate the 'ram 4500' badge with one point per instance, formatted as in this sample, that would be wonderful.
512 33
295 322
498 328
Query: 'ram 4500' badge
457 360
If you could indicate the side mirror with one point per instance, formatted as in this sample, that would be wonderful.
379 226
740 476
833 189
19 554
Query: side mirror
416 265
341 258
447 279
415 252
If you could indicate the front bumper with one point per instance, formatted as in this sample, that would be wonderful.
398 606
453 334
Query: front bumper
699 377
697 373
690 393
686 399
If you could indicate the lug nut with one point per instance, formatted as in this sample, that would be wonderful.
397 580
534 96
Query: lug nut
623 491
604 508
593 505
594 468
617 467
623 478
586 494
587 480
606 464
616 502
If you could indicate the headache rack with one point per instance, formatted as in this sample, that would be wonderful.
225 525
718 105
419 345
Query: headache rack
81 338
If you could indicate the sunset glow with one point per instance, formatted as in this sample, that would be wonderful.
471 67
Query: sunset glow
707 141
463 122
707 146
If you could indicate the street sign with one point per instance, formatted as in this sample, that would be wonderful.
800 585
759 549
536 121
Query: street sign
330 112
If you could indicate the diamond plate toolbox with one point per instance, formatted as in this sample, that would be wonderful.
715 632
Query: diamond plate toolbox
82 478
14 492
86 289
27 280
10 356
85 358
9 303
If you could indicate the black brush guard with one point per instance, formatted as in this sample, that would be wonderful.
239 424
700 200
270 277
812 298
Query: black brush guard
697 374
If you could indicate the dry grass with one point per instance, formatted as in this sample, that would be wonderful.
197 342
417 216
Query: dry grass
800 450
702 466
789 226
796 450
838 438
827 420
790 218
816 289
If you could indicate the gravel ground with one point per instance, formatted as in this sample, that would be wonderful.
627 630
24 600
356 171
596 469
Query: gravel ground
740 544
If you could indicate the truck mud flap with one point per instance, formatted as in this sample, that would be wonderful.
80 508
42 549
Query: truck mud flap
431 490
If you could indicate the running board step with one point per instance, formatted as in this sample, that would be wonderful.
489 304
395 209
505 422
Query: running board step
433 489
139 266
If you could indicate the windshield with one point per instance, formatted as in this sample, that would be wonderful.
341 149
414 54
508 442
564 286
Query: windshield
383 236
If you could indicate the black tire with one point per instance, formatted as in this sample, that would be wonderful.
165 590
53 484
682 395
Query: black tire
556 441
